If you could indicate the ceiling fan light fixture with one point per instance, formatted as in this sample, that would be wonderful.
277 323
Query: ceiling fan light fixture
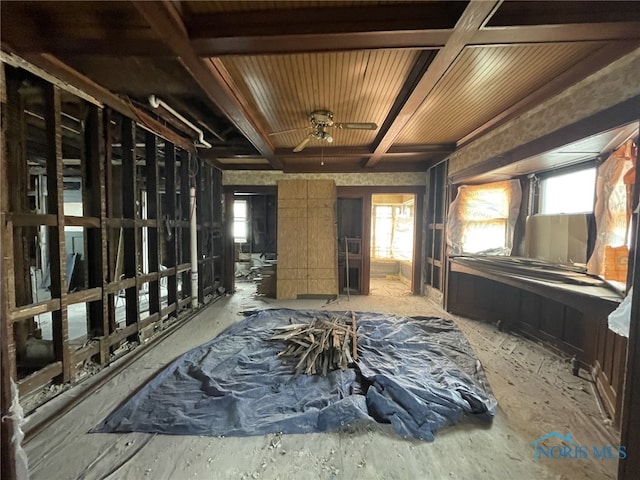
321 120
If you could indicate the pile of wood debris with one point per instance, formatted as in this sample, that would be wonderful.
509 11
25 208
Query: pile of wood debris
320 346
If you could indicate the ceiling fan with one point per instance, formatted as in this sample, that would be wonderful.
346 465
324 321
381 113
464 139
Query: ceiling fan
323 119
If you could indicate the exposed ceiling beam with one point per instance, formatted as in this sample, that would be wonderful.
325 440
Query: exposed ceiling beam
578 32
592 63
165 20
317 43
231 152
468 25
525 12
319 29
397 150
333 167
326 19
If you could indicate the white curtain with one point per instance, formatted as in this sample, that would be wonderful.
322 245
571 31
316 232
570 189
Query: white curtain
482 218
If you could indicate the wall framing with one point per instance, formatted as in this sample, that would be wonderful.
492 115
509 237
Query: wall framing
135 230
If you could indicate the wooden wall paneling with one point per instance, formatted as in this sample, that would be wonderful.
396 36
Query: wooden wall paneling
607 363
529 312
130 211
95 201
55 205
505 303
185 184
153 202
620 346
574 331
630 421
170 260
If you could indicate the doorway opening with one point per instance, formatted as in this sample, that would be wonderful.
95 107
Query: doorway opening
392 244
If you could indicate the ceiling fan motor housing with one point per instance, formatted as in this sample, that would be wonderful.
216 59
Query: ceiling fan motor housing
321 118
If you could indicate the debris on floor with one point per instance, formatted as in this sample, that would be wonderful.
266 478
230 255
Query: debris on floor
417 374
320 346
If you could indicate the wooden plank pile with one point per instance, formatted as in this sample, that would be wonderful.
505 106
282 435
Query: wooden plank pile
265 279
320 346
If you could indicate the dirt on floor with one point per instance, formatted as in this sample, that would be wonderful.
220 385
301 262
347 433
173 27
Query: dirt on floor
535 389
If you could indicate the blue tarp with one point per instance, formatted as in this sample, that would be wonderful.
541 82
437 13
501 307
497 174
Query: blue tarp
418 374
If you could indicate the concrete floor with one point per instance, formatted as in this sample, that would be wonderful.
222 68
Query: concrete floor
535 390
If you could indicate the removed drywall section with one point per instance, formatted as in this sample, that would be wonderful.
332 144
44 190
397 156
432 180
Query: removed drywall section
259 177
608 87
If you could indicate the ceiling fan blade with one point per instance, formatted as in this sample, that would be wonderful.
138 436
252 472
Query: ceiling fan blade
302 144
356 125
287 131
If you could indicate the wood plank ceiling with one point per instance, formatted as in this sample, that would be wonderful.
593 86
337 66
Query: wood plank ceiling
432 75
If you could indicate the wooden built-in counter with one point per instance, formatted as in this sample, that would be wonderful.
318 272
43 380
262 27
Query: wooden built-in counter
569 316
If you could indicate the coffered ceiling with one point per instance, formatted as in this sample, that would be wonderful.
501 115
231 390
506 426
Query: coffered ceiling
431 75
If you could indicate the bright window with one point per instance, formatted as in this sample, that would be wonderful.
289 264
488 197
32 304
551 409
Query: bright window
392 232
240 221
482 218
568 193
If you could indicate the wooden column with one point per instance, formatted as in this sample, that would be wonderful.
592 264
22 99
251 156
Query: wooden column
170 215
367 212
418 227
111 245
95 203
17 202
130 211
185 184
218 239
153 200
227 244
55 205
7 348
630 424
204 220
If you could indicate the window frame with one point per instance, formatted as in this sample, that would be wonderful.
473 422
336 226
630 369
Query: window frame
538 177
238 220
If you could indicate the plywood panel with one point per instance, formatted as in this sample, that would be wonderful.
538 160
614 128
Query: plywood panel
302 287
301 246
286 203
288 189
306 238
287 232
286 289
322 189
287 273
327 273
321 206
